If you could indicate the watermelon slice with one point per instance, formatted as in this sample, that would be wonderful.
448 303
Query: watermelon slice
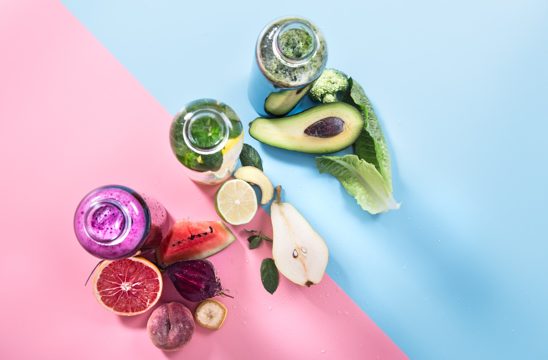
190 240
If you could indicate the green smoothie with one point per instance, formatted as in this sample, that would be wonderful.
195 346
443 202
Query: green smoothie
296 43
207 137
291 53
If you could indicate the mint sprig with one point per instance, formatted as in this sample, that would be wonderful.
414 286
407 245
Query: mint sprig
256 238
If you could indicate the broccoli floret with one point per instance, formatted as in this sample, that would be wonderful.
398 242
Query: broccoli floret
332 85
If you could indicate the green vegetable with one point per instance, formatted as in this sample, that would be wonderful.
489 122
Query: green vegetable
254 241
256 238
371 145
333 85
250 157
269 275
362 180
365 175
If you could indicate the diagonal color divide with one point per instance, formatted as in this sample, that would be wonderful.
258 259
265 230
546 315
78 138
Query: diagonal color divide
73 118
460 87
459 271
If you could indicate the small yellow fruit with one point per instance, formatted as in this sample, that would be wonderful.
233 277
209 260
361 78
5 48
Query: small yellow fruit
210 314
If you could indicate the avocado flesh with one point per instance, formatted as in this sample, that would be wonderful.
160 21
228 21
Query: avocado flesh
289 132
282 102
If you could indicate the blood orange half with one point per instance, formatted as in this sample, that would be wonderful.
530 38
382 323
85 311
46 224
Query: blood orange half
128 286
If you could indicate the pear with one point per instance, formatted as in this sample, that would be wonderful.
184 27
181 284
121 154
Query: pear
255 176
300 254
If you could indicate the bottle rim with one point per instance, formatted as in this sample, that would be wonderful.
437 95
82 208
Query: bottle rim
192 117
268 33
92 201
289 25
99 204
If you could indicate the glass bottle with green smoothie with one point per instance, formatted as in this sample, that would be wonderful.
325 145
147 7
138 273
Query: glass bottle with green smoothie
290 55
207 137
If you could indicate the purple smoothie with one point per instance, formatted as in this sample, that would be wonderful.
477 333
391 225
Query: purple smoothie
113 222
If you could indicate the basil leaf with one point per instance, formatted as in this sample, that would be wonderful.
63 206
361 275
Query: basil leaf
254 241
250 157
269 275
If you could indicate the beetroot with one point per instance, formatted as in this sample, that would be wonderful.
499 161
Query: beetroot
195 280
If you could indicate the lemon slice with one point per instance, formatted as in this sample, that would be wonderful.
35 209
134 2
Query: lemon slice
230 143
236 202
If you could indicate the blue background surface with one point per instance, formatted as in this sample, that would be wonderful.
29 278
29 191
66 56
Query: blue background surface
461 88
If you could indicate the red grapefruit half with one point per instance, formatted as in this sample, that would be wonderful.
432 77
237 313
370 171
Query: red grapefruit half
127 287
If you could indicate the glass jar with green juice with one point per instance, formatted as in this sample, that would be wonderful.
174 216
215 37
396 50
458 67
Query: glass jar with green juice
207 137
290 55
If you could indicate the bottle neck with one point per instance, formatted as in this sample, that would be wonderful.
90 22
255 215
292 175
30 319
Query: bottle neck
107 222
206 131
295 43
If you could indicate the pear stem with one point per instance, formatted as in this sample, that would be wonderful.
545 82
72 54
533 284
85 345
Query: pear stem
278 194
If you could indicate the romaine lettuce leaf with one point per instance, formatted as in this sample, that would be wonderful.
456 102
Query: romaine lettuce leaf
370 145
362 180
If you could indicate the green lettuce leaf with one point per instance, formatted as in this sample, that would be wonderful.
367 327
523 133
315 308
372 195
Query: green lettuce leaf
370 145
334 85
362 180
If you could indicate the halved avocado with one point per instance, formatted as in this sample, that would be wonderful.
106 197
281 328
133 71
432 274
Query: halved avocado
282 102
322 129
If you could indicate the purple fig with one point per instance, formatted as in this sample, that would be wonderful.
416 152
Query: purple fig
170 326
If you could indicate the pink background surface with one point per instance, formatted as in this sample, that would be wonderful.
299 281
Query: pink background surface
71 119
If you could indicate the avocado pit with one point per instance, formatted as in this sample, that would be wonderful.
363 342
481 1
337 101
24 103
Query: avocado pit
326 127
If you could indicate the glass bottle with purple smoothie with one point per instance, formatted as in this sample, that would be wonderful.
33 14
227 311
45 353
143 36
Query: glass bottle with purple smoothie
290 55
114 221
